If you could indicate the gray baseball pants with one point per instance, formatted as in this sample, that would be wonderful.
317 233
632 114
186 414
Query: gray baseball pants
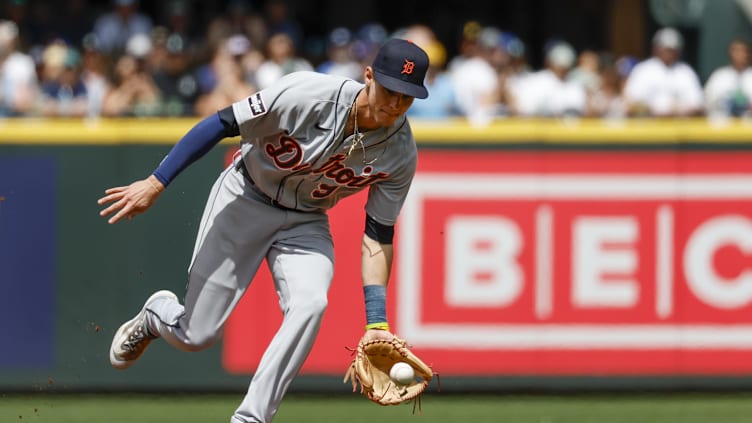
240 228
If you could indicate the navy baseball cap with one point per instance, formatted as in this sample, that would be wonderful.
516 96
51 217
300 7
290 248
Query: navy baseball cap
401 66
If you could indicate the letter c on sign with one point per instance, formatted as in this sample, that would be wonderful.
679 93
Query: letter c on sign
702 278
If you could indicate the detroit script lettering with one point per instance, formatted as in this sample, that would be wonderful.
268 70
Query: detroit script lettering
288 155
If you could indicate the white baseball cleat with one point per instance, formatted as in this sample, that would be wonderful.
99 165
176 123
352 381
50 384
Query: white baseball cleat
132 338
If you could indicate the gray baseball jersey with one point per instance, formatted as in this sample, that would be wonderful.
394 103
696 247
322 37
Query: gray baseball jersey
293 147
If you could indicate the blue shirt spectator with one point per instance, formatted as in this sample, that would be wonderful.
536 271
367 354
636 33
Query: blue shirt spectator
115 28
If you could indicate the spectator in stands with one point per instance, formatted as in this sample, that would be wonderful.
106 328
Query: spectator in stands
176 81
241 18
729 88
32 30
257 30
242 24
663 85
230 85
468 44
232 47
340 57
281 60
587 72
280 20
94 75
134 92
368 39
474 80
250 62
18 74
115 28
508 58
238 16
548 92
606 100
63 93
441 101
216 32
177 20
151 48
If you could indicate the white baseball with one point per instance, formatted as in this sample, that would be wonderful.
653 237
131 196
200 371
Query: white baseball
402 373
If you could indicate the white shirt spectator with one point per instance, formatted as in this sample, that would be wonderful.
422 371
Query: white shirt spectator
18 74
476 86
664 90
281 61
542 93
728 91
17 77
269 71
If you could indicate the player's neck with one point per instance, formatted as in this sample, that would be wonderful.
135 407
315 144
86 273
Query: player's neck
355 119
360 114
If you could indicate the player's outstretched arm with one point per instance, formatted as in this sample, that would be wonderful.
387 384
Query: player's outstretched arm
136 198
131 200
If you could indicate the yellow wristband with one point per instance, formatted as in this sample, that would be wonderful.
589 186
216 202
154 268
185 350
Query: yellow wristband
380 326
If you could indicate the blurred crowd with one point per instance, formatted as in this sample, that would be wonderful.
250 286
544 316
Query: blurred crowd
125 63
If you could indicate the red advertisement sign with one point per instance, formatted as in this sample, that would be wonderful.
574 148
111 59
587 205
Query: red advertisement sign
549 263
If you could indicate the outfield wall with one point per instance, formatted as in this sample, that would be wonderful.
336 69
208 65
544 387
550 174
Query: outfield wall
547 254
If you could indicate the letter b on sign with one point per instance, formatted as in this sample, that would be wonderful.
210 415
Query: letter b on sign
481 262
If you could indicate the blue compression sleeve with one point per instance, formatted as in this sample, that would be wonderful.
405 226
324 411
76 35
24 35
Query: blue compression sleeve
194 144
375 297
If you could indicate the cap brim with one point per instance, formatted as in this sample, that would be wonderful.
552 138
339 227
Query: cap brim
400 86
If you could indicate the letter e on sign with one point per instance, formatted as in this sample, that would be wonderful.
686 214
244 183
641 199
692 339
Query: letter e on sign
592 260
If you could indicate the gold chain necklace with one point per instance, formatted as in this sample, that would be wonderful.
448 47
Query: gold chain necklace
358 138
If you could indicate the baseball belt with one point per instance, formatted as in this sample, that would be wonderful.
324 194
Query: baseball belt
240 166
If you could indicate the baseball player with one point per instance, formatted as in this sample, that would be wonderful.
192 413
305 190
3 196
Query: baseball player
306 142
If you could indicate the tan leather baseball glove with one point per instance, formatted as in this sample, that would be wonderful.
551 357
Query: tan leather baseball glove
372 363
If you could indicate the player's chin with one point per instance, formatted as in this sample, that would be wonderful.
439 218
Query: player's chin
387 119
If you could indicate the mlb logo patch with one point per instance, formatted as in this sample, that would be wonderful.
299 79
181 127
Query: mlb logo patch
257 104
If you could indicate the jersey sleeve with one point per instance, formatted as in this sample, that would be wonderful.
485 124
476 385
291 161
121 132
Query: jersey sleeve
275 109
385 199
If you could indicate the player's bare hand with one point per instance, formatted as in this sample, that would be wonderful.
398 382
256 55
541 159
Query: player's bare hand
132 200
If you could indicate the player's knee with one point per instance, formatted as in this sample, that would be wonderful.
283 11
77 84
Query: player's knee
313 308
318 305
